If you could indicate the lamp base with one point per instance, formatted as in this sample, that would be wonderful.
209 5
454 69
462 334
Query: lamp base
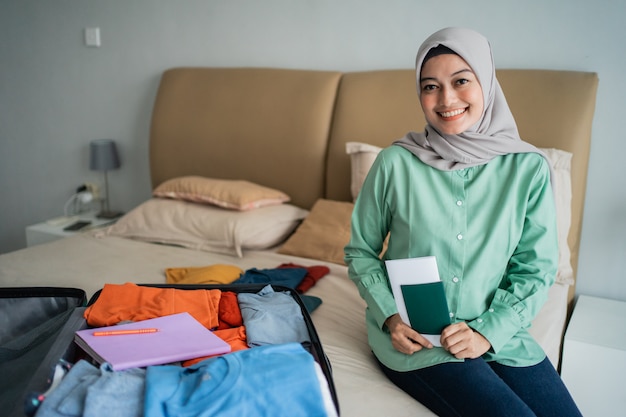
109 214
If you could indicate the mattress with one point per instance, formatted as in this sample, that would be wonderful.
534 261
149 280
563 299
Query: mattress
88 262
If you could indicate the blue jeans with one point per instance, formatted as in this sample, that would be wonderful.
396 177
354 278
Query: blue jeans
479 388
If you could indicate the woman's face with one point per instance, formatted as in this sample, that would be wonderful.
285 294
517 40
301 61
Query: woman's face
451 96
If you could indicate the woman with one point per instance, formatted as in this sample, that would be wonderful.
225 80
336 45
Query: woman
470 192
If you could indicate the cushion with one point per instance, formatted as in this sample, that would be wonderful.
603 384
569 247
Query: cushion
206 227
362 157
230 194
561 162
323 234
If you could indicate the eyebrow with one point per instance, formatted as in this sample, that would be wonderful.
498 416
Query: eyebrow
451 75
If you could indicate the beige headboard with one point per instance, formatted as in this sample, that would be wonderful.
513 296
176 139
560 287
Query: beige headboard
268 126
553 109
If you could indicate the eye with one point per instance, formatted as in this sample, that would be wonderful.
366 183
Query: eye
462 81
428 87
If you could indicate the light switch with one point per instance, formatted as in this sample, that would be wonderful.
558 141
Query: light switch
92 37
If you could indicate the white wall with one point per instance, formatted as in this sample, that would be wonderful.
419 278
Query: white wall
56 94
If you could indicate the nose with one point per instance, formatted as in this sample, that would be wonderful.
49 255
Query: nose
447 96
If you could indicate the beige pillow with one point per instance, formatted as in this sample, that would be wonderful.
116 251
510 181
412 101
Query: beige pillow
206 227
323 234
230 194
362 157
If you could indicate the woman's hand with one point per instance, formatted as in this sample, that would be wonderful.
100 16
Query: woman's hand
403 338
463 342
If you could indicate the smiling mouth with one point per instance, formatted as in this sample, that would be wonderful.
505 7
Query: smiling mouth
452 113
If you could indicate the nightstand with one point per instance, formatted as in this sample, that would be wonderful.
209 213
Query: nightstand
53 229
594 356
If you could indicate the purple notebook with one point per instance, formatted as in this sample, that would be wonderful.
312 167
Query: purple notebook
179 337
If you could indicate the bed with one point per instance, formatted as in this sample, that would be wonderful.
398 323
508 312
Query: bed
284 151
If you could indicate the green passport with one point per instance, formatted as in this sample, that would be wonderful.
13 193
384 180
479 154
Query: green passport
426 307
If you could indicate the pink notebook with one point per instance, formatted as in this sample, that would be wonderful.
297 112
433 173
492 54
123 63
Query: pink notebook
179 337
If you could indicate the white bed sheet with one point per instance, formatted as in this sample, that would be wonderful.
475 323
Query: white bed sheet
84 261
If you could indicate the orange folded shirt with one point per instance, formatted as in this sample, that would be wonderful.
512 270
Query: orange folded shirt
235 337
121 302
229 313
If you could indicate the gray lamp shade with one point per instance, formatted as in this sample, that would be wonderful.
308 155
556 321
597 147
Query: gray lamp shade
103 155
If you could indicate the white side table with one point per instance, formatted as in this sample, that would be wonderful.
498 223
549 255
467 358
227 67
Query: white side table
594 356
53 229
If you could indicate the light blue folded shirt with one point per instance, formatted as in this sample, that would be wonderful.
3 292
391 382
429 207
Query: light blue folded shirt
88 391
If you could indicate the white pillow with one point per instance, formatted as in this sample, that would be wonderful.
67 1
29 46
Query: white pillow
206 227
362 156
561 162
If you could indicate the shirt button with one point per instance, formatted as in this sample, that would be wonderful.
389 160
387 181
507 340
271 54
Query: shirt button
459 203
451 315
491 310
455 279
480 320
459 236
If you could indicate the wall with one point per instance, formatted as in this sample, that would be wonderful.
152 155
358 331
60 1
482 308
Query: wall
56 94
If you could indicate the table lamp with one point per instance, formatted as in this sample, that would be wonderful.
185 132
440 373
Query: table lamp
103 157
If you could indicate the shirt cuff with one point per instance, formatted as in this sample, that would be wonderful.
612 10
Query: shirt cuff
379 299
503 320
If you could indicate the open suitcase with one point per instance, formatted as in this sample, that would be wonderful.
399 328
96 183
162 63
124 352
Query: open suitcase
37 327
62 349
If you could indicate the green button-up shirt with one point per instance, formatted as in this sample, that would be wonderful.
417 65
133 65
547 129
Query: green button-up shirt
492 229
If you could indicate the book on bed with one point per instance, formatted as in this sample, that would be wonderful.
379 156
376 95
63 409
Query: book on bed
158 341
419 295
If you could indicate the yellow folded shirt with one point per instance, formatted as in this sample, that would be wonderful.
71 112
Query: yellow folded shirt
212 274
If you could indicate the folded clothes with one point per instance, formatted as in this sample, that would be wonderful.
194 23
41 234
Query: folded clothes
291 276
272 317
87 391
211 274
278 380
235 337
229 313
302 281
132 302
314 274
287 277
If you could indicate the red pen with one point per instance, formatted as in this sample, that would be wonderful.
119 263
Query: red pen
123 332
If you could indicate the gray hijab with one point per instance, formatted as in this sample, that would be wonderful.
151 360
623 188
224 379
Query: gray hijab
493 135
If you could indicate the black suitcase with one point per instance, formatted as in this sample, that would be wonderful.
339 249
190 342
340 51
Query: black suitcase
64 349
37 326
